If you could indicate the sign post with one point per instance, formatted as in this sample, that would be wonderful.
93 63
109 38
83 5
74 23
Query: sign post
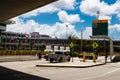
95 45
71 49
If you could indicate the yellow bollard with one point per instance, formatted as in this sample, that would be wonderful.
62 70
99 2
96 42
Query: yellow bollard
94 58
84 56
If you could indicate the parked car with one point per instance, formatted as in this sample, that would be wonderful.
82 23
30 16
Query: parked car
59 56
115 58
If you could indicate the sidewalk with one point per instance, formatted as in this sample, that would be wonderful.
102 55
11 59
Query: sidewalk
17 58
77 63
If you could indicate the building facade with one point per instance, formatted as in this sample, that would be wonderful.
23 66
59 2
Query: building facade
19 41
35 41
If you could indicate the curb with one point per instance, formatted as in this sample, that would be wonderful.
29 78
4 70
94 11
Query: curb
70 66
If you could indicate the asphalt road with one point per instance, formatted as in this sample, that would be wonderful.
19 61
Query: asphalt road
26 70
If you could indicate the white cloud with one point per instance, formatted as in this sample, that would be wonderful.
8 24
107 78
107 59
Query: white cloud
114 30
90 7
86 33
46 9
21 26
65 4
53 7
56 30
115 27
106 17
66 18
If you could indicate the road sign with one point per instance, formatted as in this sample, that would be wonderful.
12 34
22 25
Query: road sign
95 45
71 44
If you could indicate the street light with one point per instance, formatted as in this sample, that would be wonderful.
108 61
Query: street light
66 31
98 12
81 37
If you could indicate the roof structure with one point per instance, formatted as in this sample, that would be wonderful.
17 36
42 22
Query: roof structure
13 8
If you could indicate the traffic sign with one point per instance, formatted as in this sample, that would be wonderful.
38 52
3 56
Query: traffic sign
95 45
71 44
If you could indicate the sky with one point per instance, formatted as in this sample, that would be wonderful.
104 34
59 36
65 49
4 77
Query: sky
65 18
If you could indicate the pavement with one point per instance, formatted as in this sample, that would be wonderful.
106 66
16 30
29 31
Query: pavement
11 73
75 63
13 58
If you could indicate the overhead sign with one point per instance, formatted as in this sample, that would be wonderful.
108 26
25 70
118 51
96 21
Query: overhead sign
95 45
99 27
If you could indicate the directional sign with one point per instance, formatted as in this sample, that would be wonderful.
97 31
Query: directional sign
71 44
95 45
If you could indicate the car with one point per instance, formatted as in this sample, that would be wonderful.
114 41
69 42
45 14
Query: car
115 58
59 56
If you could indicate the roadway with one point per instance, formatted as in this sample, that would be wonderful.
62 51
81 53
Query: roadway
110 71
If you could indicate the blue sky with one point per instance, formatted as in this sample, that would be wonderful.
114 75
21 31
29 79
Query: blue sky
77 14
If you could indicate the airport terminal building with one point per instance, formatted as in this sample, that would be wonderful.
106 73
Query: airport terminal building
34 41
22 41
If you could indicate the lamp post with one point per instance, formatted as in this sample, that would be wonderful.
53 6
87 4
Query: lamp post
66 31
81 37
98 12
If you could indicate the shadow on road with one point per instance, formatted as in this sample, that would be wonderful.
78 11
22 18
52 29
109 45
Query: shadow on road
9 74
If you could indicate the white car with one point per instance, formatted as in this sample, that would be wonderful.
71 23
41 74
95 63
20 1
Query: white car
59 56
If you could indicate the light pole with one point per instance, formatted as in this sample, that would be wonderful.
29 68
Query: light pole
66 31
66 36
98 12
81 37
